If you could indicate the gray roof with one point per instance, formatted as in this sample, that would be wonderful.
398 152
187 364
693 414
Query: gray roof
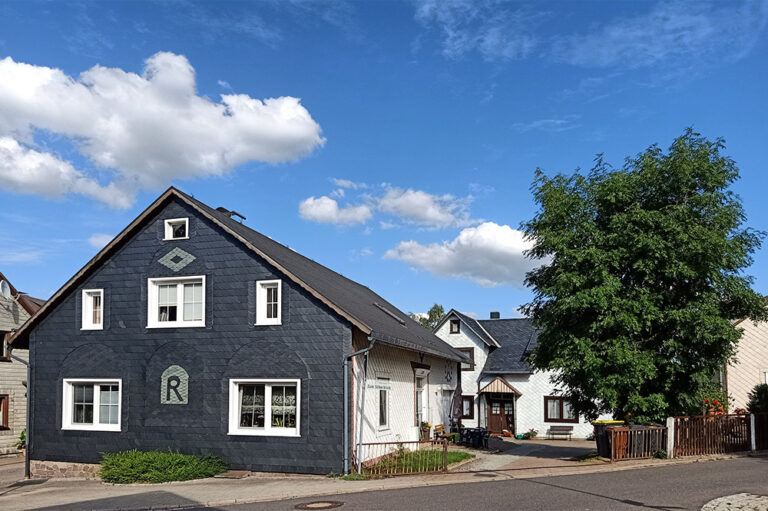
387 323
517 338
474 325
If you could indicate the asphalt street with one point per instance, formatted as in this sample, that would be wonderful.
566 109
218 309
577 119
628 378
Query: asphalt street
675 487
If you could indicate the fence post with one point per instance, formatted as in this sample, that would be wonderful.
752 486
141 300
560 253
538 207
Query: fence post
670 437
752 433
445 455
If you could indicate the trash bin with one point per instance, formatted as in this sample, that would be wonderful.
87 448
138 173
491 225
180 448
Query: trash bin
602 438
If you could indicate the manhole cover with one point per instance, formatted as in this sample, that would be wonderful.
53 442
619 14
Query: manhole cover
320 504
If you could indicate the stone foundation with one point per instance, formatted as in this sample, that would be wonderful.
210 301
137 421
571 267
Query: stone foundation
48 469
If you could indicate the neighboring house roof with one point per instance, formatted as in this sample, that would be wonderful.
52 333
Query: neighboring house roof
28 303
362 307
470 323
517 337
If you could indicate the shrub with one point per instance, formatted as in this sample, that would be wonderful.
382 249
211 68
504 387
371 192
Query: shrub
157 467
531 433
661 454
758 399
22 442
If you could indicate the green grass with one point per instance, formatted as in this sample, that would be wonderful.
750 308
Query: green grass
157 467
592 456
416 461
354 476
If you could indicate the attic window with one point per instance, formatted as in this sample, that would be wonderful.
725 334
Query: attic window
455 326
177 229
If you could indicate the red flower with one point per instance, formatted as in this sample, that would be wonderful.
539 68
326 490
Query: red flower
715 402
706 401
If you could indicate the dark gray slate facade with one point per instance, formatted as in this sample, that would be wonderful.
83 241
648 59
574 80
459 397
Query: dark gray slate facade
309 344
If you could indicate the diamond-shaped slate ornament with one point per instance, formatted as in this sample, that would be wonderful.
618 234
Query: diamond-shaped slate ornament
176 259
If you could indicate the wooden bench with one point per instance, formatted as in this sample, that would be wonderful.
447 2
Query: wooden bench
560 430
440 432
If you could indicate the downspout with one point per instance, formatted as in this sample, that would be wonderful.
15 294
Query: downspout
347 358
29 406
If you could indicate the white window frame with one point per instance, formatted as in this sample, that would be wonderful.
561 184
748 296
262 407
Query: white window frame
267 430
67 404
384 381
87 306
152 302
261 302
168 228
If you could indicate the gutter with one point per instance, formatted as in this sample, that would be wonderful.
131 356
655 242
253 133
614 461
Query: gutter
29 406
345 365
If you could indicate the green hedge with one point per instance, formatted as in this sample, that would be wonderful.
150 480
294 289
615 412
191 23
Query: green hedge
157 467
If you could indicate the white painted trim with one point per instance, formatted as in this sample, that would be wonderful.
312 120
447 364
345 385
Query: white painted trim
152 297
268 430
752 433
66 405
87 310
168 230
388 382
261 305
670 437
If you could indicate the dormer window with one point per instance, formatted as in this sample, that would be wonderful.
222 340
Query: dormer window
93 309
455 326
177 229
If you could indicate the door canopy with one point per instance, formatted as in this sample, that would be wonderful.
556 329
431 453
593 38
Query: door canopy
500 386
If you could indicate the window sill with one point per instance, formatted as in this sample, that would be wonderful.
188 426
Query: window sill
562 421
109 428
91 328
176 239
179 325
277 323
245 432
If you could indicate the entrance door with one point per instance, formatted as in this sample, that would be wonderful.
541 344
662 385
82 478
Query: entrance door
501 415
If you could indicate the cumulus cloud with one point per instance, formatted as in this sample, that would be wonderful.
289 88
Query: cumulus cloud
326 210
99 240
488 254
346 183
149 128
426 209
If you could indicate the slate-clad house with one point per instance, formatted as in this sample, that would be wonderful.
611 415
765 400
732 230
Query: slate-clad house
15 309
193 332
500 390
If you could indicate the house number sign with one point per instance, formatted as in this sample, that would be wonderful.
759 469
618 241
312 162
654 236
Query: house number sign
174 386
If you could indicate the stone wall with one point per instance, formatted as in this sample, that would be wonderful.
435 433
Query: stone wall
49 469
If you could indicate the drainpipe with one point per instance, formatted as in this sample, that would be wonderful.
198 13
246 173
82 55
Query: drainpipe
347 358
29 406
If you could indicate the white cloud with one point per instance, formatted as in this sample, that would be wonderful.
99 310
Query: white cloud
426 209
566 123
346 183
670 32
484 26
338 193
366 252
21 256
100 240
326 210
150 128
224 84
388 225
24 170
489 254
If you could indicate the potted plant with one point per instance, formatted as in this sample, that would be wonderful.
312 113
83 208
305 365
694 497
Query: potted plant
424 428
22 443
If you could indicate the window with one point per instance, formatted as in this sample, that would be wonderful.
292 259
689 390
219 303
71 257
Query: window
455 326
268 302
4 405
264 407
4 355
176 302
558 409
383 385
91 405
93 309
467 407
470 352
177 229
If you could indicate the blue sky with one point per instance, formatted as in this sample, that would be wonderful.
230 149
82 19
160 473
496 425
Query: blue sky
401 138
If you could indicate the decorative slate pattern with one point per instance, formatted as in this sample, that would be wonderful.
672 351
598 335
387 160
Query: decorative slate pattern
174 386
176 259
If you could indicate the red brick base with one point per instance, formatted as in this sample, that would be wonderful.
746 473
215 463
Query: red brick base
48 469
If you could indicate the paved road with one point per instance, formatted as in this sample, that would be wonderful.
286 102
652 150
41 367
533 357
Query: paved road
10 472
665 488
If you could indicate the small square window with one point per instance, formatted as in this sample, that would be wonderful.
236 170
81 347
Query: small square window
177 229
268 302
93 309
91 405
455 326
467 407
470 352
558 409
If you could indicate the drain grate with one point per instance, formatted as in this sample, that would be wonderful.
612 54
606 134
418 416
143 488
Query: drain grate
320 504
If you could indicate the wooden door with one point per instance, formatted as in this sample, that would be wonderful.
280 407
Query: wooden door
501 415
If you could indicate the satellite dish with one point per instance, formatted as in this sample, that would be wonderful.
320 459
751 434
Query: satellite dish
5 289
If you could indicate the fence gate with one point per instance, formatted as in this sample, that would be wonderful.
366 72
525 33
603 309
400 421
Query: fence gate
712 434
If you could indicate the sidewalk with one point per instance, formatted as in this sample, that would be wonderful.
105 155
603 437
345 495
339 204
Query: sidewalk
80 494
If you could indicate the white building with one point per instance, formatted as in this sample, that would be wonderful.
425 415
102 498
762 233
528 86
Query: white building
500 391
750 365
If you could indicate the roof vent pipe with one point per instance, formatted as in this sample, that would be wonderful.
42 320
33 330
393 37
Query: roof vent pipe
495 315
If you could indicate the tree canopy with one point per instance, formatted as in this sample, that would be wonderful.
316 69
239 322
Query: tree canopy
430 320
642 278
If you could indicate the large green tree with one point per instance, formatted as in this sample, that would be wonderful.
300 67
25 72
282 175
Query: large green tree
642 278
430 320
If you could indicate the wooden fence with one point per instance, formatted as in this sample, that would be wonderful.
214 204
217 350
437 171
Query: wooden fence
382 459
636 443
716 434
761 431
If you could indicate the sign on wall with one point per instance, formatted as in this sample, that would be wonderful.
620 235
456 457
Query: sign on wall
174 386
